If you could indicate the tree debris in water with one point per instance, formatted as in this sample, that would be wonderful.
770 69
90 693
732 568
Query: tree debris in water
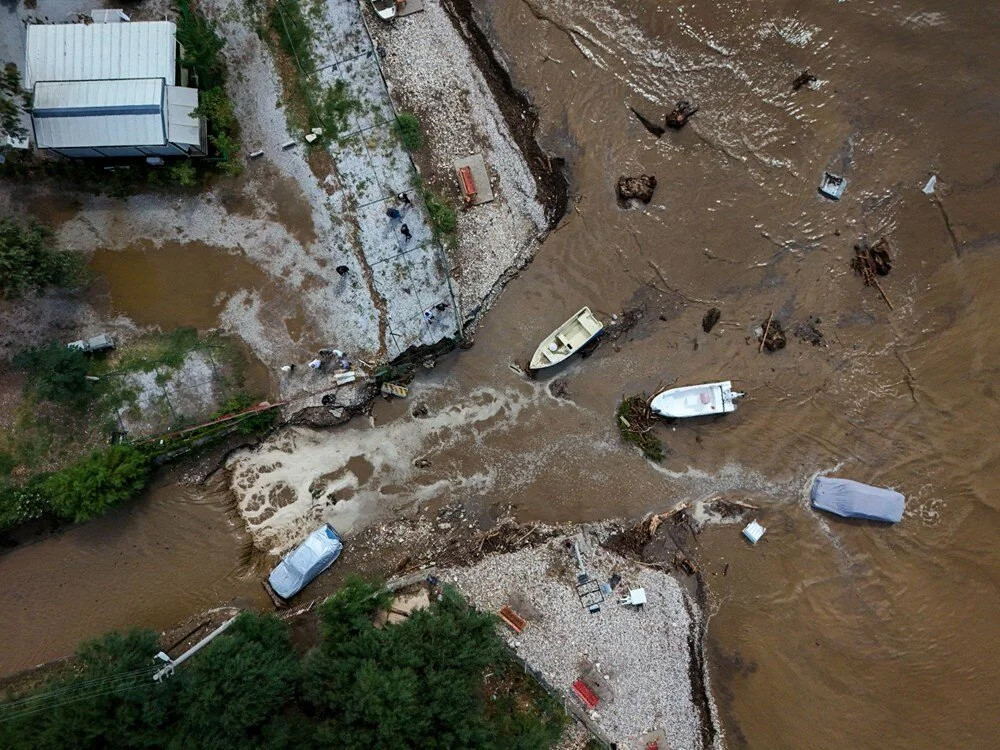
651 126
871 262
635 422
772 335
803 79
640 187
679 116
625 323
710 319
808 331
559 388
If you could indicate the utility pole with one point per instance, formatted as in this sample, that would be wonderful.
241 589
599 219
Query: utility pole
168 669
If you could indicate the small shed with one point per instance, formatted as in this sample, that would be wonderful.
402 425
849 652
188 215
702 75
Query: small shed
109 90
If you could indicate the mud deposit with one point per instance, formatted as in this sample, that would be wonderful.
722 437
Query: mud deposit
829 633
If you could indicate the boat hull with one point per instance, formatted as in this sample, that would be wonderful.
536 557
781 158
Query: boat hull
567 339
702 400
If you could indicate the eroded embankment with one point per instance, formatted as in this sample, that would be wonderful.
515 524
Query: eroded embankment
517 108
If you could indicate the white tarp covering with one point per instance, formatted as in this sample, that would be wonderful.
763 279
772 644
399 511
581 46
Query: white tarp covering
69 114
851 499
317 553
86 52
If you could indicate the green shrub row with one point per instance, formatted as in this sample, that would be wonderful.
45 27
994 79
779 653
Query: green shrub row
439 679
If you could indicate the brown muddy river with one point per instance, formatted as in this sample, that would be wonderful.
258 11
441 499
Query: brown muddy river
829 633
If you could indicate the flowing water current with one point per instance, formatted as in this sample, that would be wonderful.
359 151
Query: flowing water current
829 633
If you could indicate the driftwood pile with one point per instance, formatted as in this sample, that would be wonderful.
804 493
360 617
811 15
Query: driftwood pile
635 423
872 262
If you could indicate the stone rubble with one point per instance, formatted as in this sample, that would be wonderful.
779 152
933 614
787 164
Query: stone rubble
644 654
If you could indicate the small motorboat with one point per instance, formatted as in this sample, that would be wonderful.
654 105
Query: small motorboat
384 9
567 339
696 400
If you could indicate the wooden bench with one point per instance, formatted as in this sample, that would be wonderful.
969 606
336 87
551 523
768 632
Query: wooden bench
467 184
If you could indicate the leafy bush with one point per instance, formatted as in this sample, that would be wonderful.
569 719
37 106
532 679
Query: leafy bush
242 401
91 487
202 45
184 174
56 373
20 504
443 218
407 129
30 260
10 110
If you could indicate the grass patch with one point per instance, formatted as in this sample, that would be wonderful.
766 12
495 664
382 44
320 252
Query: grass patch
635 423
443 218
311 105
407 129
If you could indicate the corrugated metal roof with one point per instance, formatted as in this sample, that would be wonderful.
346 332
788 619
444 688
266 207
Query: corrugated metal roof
83 52
182 124
70 114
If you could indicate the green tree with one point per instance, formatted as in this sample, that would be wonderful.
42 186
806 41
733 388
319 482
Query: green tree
110 702
91 487
202 45
231 693
56 373
30 260
10 110
414 685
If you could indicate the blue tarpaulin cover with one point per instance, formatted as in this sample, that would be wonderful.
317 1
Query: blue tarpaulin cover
308 560
851 499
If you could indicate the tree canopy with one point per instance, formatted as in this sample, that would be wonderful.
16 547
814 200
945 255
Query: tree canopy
419 684
88 488
30 260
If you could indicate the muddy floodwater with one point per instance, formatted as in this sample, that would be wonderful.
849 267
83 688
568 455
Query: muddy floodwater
829 633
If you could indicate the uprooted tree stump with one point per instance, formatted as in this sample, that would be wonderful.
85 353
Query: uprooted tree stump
872 262
710 319
640 188
635 423
680 114
772 335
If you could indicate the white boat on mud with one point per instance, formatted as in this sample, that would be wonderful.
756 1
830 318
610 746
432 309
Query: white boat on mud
696 400
567 339
384 9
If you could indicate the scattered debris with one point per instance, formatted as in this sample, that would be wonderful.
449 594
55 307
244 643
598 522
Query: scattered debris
640 188
832 186
473 180
651 126
679 116
803 79
772 335
635 423
421 463
809 332
512 619
559 388
873 261
710 319
585 694
635 598
754 531
257 154
928 189
391 389
420 410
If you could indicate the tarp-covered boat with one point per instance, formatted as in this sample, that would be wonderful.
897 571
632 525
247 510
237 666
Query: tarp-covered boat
317 553
695 400
567 339
851 499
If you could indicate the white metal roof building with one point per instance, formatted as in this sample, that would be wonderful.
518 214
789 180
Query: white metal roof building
107 89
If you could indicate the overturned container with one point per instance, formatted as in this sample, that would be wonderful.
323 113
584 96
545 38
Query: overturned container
851 499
